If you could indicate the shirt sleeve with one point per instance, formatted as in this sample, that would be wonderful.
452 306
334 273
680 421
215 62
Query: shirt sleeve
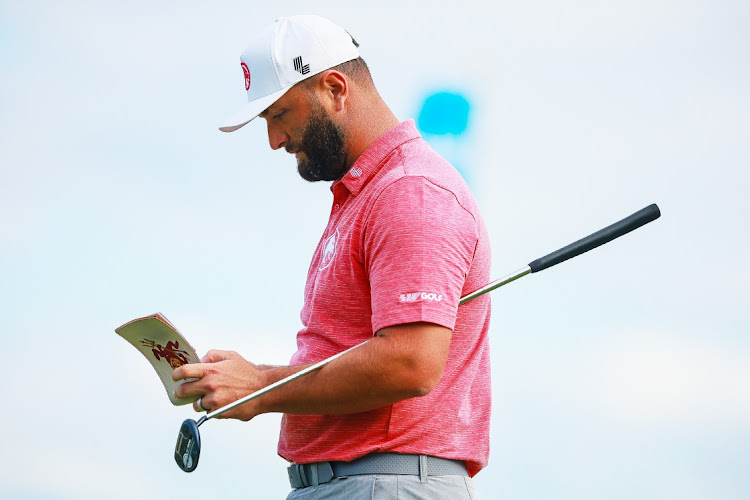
419 243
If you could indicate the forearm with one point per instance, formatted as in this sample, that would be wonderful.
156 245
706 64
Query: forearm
379 373
397 363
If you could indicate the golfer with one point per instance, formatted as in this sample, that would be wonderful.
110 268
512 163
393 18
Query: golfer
407 414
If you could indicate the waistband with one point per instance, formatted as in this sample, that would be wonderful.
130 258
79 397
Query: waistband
304 475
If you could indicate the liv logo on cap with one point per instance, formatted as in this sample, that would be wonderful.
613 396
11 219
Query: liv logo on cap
246 70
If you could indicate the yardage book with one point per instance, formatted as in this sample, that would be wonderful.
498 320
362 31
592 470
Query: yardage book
163 346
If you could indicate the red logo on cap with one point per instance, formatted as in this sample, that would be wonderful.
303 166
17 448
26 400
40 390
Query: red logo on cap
246 70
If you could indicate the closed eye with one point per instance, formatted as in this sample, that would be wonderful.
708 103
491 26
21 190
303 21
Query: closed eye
279 115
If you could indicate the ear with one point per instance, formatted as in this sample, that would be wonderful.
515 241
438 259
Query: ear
335 87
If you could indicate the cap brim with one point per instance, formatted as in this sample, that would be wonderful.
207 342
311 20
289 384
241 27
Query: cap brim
250 111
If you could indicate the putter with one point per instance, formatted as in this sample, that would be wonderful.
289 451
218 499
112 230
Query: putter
188 448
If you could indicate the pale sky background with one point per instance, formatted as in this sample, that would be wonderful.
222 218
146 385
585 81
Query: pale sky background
622 374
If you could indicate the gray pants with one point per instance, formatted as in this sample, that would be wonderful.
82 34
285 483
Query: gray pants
389 487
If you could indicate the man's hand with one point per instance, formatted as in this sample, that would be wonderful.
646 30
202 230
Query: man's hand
224 377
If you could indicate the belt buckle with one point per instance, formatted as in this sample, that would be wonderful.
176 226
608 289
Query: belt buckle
297 477
320 473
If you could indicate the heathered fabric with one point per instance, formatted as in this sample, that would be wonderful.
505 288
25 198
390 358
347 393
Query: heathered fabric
405 240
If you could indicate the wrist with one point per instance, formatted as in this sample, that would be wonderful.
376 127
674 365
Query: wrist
273 401
265 378
265 367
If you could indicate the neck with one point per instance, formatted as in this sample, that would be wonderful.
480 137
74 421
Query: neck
367 122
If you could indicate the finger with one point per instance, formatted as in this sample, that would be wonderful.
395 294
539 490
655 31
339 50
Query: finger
189 389
216 355
190 370
199 406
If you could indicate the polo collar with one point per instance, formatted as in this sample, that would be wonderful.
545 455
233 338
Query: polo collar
369 162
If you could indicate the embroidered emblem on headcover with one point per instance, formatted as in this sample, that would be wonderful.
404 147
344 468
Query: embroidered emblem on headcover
329 250
299 67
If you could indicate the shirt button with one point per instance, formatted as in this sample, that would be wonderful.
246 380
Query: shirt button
336 206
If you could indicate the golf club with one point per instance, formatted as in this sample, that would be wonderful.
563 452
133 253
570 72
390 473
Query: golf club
187 450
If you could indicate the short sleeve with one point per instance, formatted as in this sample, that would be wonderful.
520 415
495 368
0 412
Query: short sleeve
418 248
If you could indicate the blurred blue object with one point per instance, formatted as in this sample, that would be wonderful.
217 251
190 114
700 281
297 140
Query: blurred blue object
444 113
443 121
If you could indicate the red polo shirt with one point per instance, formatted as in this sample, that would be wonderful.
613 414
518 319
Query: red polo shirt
404 242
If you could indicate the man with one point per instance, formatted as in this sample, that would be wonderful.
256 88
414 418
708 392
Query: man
406 415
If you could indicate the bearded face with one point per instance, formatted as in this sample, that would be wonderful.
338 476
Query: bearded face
322 145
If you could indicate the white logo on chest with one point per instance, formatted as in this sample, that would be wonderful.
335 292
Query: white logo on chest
329 250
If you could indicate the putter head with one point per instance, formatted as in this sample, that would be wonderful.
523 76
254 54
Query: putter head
188 448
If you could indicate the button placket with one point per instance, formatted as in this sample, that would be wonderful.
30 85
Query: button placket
340 195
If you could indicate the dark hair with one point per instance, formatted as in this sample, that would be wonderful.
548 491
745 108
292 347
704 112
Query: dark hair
357 70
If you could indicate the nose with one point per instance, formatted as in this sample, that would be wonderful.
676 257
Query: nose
276 137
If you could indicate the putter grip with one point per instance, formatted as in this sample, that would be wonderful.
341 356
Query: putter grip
609 233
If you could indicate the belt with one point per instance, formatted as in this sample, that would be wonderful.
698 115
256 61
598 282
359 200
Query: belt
304 475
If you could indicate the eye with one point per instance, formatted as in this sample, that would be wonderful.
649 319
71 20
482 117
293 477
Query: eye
279 115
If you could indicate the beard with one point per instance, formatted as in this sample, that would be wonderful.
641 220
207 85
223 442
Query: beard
323 147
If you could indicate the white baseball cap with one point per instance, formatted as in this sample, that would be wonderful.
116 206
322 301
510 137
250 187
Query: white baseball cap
285 53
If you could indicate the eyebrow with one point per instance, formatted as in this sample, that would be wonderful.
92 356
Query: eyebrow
263 113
